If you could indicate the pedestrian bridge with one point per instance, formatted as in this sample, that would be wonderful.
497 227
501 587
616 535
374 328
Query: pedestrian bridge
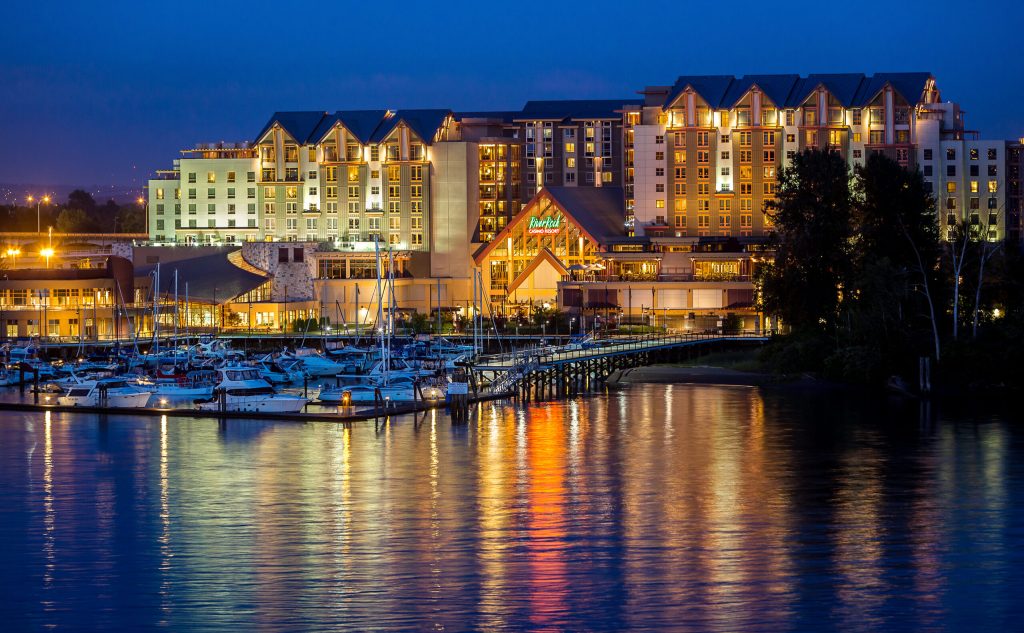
552 372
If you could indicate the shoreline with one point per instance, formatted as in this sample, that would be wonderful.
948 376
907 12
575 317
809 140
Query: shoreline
712 375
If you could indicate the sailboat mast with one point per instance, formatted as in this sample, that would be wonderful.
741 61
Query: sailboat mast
380 315
156 309
175 306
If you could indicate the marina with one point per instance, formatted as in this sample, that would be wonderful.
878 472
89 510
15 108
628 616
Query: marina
220 380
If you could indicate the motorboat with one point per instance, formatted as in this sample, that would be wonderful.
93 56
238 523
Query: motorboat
315 364
396 389
196 383
367 393
241 388
279 373
115 394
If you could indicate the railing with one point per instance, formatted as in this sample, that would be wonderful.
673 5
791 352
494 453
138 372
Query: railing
643 343
615 346
598 279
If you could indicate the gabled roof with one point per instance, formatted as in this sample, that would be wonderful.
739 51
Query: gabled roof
299 125
775 87
361 123
574 109
842 86
598 211
909 85
711 88
545 255
425 123
210 278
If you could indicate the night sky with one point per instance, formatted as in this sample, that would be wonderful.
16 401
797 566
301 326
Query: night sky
104 93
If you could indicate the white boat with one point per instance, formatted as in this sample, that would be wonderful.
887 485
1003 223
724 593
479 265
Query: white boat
198 383
242 389
278 373
118 395
396 389
314 363
366 394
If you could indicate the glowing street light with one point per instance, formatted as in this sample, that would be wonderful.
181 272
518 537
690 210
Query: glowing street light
47 253
13 254
39 202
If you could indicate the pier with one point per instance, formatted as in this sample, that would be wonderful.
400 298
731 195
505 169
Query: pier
531 374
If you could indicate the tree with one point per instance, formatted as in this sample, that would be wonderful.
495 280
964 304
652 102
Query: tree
895 224
72 221
812 215
81 199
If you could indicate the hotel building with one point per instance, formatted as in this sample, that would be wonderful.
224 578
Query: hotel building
652 205
708 149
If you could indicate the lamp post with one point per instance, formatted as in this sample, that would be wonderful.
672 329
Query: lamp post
145 211
47 253
13 254
39 202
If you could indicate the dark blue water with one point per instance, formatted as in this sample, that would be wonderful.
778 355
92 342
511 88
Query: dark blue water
663 507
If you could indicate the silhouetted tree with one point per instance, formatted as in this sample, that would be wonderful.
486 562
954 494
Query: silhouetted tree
812 215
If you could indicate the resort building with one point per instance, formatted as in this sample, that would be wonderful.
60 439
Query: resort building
568 247
653 208
708 149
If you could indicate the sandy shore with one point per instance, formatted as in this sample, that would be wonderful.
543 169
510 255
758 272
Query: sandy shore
695 375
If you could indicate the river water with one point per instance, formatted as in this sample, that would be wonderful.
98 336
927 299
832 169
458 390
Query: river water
664 507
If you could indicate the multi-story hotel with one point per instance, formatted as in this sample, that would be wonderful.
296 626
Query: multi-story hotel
660 199
709 149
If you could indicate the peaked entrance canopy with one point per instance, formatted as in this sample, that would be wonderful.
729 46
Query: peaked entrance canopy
559 228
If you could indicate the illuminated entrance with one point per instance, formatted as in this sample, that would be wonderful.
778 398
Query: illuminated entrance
560 228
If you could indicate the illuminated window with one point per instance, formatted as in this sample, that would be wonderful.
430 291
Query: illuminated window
659 203
211 176
951 187
570 148
993 186
974 186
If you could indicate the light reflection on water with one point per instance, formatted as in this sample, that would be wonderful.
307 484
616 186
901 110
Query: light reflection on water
665 506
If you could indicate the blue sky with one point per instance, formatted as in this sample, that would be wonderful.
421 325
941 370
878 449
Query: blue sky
104 93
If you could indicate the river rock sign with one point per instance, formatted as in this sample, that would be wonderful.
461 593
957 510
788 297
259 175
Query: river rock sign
544 226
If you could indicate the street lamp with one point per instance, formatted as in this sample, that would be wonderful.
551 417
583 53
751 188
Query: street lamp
13 254
145 211
39 202
47 253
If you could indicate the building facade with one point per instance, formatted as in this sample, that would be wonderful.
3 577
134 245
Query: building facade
664 195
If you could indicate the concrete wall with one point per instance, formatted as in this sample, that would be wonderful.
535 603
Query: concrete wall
455 206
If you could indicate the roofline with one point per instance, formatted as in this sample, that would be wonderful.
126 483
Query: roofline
479 257
545 254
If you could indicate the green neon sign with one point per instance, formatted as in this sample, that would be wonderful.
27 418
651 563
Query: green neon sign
547 226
